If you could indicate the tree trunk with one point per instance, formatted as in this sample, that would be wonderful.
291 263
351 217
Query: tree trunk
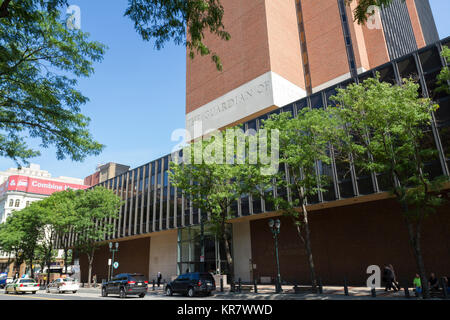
32 269
65 260
308 248
414 238
228 254
90 261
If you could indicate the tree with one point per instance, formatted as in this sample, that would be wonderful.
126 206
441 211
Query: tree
443 78
95 209
40 61
304 155
183 21
61 207
211 184
11 242
388 123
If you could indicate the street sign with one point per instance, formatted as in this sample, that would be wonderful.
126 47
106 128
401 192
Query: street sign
115 265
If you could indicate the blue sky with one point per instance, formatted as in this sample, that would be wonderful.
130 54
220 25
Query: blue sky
137 94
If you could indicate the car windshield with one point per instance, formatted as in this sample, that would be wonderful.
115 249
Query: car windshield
137 277
27 281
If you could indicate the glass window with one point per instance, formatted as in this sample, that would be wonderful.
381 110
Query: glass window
316 101
387 74
407 68
11 202
430 59
17 203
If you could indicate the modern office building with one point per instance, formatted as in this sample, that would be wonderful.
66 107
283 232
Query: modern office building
353 225
282 51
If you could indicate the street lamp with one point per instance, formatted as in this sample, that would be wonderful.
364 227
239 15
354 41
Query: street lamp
274 226
113 250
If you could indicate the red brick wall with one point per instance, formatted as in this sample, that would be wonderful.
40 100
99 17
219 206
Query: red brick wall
346 240
133 257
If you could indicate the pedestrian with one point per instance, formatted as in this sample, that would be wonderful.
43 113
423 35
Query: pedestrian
94 280
388 278
394 281
433 282
159 277
417 283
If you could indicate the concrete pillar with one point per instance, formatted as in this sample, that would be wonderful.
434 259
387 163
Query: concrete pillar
242 251
163 255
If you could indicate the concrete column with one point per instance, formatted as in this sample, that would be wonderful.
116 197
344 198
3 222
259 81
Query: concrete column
242 251
163 255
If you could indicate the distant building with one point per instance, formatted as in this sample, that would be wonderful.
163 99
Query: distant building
105 172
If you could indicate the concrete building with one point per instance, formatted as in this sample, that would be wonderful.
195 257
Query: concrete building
105 172
283 57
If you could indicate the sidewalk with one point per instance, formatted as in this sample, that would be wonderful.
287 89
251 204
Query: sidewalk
267 292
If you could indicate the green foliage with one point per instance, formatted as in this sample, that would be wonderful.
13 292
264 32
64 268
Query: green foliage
444 76
183 21
95 211
38 96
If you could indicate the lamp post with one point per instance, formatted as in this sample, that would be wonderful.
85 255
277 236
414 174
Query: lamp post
274 226
113 250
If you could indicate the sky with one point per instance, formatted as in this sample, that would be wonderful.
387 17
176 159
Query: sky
137 94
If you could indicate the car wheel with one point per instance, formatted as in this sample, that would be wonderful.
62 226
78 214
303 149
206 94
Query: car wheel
169 291
122 293
33 292
190 292
142 295
104 293
75 291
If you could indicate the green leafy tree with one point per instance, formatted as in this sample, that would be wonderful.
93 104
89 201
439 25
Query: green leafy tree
40 62
443 77
210 184
183 21
388 123
11 243
304 156
96 210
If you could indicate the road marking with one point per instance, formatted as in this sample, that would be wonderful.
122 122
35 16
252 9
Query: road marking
31 297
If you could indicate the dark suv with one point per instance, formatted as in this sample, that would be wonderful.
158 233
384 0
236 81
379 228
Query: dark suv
126 284
191 284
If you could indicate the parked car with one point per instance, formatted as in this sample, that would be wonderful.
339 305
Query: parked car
22 286
63 285
4 280
192 284
125 284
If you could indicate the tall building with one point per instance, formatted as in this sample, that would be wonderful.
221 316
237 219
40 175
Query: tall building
285 56
282 51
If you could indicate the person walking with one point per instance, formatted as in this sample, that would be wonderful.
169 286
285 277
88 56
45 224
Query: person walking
388 278
159 277
395 283
94 280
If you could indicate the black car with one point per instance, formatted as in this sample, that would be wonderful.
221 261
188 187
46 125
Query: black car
191 284
125 284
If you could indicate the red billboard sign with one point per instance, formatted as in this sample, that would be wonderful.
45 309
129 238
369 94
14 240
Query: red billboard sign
37 186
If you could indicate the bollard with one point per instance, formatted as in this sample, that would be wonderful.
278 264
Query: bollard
239 285
374 293
345 287
221 284
255 287
444 288
406 291
153 282
320 286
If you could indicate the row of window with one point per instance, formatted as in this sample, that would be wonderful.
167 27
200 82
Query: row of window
152 204
16 203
